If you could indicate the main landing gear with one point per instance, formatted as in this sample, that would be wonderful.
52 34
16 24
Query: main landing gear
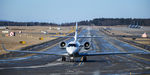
63 58
84 58
71 59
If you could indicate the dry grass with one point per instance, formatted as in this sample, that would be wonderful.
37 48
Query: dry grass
28 35
145 41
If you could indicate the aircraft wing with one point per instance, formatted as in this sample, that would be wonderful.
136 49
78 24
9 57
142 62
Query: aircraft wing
111 53
35 52
80 54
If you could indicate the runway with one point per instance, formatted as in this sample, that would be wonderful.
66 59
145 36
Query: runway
96 65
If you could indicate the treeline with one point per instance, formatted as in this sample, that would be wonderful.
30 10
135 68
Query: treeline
10 23
116 21
96 21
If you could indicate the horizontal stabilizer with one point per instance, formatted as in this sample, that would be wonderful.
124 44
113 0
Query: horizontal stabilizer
90 37
63 36
78 36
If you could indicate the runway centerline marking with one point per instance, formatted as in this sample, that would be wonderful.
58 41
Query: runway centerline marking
81 61
39 66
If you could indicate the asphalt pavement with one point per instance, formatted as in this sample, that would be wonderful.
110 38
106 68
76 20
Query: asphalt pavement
95 65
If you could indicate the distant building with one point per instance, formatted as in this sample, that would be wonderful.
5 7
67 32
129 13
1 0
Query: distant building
137 26
3 27
5 31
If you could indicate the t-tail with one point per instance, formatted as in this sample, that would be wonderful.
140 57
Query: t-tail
76 32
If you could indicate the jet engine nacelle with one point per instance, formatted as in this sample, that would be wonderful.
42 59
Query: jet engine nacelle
62 44
87 45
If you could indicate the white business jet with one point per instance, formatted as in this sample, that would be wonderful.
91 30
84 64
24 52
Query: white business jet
73 49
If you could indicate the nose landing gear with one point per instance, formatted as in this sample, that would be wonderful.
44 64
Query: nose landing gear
70 59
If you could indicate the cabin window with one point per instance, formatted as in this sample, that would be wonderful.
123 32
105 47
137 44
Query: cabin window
72 45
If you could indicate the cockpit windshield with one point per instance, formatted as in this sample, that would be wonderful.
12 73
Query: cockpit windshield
72 45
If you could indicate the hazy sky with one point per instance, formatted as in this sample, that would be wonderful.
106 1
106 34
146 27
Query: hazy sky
60 11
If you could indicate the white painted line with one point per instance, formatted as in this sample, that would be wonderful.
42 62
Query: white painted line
14 59
40 66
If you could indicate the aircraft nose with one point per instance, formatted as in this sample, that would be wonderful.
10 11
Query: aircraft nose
70 50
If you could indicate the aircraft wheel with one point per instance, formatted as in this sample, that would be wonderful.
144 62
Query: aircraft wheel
63 58
71 59
84 58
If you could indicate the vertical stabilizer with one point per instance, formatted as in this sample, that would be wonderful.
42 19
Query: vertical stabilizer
76 32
